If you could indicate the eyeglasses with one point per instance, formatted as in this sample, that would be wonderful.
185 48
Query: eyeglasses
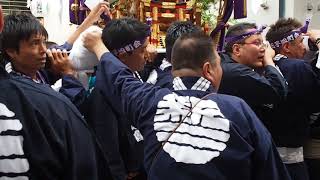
259 44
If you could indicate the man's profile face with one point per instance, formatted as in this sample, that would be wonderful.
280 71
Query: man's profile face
31 55
296 48
136 60
251 51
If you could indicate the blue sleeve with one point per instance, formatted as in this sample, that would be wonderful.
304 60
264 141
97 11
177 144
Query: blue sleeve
277 81
267 163
82 150
105 125
165 78
73 89
126 93
67 46
304 84
255 89
312 81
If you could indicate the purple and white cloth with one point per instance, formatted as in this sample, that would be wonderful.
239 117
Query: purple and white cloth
251 32
290 36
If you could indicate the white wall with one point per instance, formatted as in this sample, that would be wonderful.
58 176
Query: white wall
289 8
293 8
262 16
56 21
301 12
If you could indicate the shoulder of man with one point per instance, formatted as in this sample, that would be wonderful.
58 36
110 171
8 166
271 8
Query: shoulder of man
43 97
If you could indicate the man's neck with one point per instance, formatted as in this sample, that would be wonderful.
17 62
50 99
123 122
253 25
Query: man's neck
186 72
31 73
235 58
286 54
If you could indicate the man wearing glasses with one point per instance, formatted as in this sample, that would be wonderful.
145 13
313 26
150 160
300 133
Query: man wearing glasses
249 71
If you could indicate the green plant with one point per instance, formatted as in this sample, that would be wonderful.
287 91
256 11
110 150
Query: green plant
209 9
210 12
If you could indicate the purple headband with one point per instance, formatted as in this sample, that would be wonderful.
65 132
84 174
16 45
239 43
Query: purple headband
132 46
245 35
290 36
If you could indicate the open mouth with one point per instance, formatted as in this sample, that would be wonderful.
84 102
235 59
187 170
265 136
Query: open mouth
43 60
260 57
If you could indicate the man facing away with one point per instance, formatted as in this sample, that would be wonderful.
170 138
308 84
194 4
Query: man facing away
158 72
190 132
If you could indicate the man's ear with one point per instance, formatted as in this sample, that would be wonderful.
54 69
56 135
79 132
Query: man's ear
123 57
286 47
236 49
209 72
11 52
212 72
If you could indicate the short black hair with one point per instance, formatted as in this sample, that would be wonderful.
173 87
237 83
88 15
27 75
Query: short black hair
175 30
50 44
123 31
192 50
17 28
281 27
237 30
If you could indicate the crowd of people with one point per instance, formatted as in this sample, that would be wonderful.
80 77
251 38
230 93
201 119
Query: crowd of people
250 112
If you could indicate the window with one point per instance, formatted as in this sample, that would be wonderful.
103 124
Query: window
12 6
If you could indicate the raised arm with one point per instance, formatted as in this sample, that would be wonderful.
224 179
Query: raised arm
101 8
125 92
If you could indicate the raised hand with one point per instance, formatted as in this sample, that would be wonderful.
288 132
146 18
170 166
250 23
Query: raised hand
93 42
268 56
60 63
150 53
97 11
313 35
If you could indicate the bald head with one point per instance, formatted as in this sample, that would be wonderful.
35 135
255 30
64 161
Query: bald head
192 50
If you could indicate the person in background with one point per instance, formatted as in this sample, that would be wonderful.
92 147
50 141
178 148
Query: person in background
158 72
71 86
311 149
190 132
122 142
42 134
290 124
249 71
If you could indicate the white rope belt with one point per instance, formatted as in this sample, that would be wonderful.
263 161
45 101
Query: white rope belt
291 155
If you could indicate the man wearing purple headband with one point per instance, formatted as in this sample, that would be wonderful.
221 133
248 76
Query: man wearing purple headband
190 132
249 71
290 124
122 143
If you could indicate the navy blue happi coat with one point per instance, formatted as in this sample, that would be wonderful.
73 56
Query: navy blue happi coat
220 139
43 135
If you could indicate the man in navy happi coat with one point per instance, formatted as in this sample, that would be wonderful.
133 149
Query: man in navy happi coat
187 137
290 123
